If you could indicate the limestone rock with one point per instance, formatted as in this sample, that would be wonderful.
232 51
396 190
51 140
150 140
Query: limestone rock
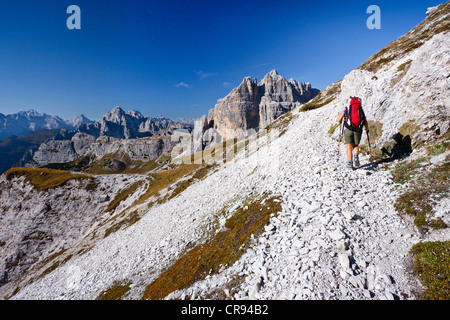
253 106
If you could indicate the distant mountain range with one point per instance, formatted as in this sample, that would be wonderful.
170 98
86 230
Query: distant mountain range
21 123
22 133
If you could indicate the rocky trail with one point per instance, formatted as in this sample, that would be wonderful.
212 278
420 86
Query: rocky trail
338 235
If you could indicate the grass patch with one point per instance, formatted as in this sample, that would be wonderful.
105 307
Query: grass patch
162 180
199 174
157 183
432 265
121 162
282 123
402 70
76 165
405 171
409 128
115 292
440 146
393 149
316 105
44 179
427 186
123 195
125 222
223 250
333 128
325 97
404 65
375 130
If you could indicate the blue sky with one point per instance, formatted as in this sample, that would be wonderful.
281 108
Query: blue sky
177 58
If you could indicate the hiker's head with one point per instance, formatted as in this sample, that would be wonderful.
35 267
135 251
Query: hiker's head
398 137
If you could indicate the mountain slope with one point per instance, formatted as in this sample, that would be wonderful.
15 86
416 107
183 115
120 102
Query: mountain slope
332 233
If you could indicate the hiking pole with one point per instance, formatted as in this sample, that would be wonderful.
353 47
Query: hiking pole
370 148
340 136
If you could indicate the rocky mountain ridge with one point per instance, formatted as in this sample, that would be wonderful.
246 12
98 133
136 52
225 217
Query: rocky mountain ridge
24 122
128 135
250 107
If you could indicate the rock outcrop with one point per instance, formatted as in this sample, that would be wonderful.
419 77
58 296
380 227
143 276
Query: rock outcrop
132 124
49 222
251 106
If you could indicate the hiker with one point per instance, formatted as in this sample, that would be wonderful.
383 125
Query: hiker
354 121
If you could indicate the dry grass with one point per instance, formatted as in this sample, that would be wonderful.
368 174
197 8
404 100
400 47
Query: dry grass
325 97
43 179
123 195
115 292
221 251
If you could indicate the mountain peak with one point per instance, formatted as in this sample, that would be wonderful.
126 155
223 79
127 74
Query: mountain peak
29 113
117 109
78 120
271 76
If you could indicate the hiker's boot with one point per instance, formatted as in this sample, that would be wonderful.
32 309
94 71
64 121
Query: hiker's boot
349 165
356 160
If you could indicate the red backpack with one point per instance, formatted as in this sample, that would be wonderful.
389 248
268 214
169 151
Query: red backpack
354 116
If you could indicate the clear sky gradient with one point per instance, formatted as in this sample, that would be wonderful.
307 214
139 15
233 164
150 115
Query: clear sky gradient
177 58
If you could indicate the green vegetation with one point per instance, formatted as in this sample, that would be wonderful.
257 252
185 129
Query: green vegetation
333 128
124 222
409 128
161 180
325 97
221 251
157 182
439 146
406 171
404 65
43 179
121 162
123 195
282 123
182 185
112 163
402 70
115 292
375 132
315 105
432 265
426 187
